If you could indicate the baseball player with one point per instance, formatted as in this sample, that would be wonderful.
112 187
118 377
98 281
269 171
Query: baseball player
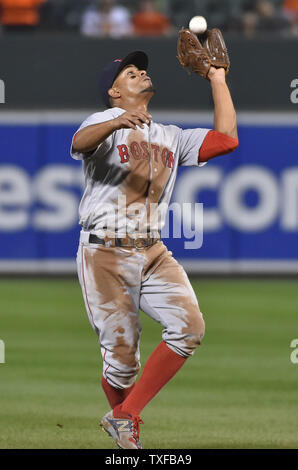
130 164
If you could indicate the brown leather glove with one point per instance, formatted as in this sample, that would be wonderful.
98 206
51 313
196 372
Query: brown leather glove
200 53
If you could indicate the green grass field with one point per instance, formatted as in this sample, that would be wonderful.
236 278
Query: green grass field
240 390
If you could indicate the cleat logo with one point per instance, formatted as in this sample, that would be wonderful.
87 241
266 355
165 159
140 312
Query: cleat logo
119 425
124 426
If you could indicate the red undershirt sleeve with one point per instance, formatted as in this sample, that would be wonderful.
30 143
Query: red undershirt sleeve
216 144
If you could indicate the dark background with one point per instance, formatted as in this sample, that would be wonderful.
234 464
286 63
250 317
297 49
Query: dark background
61 71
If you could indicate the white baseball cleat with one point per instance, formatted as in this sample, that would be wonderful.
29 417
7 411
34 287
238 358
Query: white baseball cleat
124 431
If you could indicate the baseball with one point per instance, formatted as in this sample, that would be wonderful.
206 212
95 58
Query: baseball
198 24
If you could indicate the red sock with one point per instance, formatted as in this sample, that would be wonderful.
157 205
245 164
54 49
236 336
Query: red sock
161 366
114 395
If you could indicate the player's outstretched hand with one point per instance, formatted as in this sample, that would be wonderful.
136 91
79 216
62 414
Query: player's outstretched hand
217 74
201 52
132 119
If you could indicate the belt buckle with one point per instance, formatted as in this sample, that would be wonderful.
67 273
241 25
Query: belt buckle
140 243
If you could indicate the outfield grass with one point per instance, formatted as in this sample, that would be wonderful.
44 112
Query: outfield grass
240 390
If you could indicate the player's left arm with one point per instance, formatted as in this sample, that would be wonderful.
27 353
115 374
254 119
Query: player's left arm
224 138
225 120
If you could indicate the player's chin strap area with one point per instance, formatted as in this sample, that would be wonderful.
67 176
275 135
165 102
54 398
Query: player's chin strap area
126 241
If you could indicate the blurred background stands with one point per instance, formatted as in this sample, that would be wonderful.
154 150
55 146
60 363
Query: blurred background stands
119 18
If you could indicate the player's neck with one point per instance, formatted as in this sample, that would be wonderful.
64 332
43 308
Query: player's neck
134 105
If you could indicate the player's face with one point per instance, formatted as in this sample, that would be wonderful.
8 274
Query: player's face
132 81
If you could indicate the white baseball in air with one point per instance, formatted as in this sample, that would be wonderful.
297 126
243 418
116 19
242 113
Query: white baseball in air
198 24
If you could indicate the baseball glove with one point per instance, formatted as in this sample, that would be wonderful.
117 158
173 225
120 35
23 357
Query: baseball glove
200 53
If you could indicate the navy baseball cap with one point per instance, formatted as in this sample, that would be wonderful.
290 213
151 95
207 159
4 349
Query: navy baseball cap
112 70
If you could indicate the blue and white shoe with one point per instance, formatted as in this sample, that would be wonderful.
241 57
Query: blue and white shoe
124 431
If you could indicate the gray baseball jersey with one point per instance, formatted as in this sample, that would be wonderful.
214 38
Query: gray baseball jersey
139 167
134 169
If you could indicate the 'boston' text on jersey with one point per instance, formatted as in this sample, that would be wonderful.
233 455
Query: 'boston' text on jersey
140 151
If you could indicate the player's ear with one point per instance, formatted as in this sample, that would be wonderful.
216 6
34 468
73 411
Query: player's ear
114 92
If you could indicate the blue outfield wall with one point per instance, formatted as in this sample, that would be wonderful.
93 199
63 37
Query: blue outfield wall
250 198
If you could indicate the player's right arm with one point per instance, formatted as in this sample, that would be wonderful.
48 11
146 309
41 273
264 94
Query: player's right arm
89 138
